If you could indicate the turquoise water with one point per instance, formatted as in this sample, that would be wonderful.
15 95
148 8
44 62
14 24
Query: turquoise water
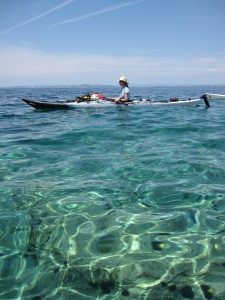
112 203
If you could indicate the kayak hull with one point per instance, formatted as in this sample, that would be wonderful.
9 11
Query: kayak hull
215 96
45 105
70 104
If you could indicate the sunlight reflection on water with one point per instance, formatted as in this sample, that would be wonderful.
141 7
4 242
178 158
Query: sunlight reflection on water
126 203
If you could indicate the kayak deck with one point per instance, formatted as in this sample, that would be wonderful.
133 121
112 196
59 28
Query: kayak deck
73 104
215 96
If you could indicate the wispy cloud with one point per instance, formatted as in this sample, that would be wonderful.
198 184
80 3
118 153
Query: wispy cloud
38 17
220 53
99 12
22 65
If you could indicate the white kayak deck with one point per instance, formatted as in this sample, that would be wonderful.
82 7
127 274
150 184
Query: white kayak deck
215 96
136 102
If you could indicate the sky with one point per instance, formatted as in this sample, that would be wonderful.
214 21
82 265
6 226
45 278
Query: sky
73 42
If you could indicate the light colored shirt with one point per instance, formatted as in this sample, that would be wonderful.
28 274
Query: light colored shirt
125 91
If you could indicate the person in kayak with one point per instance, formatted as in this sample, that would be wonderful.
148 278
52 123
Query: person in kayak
125 93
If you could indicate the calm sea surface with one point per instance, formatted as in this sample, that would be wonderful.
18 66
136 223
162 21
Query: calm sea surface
112 203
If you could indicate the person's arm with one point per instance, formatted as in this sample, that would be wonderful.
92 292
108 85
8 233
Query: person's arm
126 98
120 99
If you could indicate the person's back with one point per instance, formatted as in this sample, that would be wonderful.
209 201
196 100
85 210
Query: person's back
125 94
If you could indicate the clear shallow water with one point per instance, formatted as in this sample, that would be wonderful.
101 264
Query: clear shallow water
124 203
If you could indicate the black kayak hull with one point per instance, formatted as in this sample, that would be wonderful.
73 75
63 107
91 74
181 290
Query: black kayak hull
46 105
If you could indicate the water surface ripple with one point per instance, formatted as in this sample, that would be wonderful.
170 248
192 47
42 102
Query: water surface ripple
112 203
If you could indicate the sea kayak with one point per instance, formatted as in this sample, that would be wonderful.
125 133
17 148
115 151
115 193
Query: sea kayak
215 96
73 104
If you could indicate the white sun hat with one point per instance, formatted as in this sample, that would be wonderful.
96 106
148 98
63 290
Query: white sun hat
123 79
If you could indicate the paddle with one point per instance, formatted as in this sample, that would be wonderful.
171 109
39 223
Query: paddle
113 100
109 99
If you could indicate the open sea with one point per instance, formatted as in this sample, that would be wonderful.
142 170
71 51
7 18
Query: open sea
112 203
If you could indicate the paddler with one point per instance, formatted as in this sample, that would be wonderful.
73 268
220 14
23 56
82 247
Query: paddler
125 93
